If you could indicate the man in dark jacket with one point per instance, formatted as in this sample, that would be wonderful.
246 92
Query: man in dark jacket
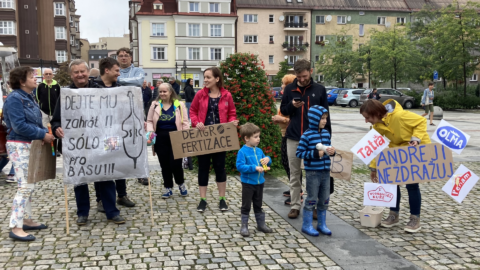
146 95
175 85
106 189
297 99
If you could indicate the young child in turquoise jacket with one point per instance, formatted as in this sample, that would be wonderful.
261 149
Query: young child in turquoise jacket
250 163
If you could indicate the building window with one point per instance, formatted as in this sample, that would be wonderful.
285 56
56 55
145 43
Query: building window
7 28
292 40
319 78
216 30
341 38
250 39
250 18
194 7
381 20
361 30
341 19
270 40
194 30
214 7
92 65
317 58
271 18
59 9
61 56
193 53
59 33
292 59
7 4
76 27
319 38
401 20
72 40
270 59
158 29
320 19
474 78
215 54
159 53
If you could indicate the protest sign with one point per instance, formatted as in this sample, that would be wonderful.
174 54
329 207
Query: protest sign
379 195
451 137
410 164
42 164
370 146
341 166
460 184
214 139
104 134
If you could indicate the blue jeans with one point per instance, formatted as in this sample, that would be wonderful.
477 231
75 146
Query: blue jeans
120 186
188 104
318 190
414 199
106 189
3 162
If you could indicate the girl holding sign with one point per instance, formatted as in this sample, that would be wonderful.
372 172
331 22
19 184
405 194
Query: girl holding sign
402 128
212 105
24 122
165 115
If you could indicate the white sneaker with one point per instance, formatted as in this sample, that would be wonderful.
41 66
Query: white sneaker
11 179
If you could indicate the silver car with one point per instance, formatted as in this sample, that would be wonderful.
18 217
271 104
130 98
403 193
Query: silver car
387 93
350 97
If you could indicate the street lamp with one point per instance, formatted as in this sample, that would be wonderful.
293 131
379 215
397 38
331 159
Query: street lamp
4 52
185 68
176 70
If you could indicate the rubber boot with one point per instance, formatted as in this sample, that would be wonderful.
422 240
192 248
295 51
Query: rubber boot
244 229
322 224
307 223
261 226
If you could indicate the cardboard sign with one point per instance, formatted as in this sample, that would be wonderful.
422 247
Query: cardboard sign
42 165
410 165
214 139
341 165
460 184
451 137
104 134
370 146
379 195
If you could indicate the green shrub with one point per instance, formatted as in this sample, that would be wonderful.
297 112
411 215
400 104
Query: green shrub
417 96
455 100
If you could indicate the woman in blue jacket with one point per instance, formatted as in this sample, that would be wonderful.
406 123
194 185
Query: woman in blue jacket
24 124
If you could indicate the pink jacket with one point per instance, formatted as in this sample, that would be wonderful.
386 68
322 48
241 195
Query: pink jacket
199 107
154 114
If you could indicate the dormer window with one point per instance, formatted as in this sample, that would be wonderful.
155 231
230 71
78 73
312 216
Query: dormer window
158 6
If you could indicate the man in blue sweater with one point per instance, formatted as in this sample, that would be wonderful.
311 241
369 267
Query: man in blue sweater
250 163
313 149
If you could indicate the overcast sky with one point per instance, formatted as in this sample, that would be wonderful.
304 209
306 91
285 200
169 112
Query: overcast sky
102 18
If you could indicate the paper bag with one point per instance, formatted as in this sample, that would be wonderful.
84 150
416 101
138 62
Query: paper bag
42 165
341 165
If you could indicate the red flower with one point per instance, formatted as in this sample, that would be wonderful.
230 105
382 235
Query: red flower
249 105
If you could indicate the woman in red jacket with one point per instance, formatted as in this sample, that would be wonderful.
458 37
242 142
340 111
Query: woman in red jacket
212 105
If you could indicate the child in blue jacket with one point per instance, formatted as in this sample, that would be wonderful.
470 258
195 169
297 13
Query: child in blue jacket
317 167
250 162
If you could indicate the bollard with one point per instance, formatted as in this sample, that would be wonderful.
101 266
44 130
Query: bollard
437 113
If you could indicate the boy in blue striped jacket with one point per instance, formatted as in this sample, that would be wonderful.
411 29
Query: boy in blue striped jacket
250 162
317 167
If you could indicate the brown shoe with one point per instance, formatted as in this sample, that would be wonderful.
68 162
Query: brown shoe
315 214
391 220
413 225
293 213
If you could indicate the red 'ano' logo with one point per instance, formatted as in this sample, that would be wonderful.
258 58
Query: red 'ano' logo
459 182
380 194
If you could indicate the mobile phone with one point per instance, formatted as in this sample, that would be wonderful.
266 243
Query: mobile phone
297 99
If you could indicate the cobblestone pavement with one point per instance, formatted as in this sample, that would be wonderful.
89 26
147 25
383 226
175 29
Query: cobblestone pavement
450 234
182 238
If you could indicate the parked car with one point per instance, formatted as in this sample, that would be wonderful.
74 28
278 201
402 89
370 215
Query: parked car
329 88
276 91
388 93
350 97
404 89
332 96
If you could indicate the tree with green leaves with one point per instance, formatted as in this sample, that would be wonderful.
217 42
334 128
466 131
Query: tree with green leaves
449 38
339 62
284 67
246 80
62 76
394 57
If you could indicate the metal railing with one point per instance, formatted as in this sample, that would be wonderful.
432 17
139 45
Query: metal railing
295 24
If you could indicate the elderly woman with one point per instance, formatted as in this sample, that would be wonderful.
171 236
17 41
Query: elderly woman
402 128
24 123
165 115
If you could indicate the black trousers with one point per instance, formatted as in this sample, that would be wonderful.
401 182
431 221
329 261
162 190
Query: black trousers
120 186
218 162
252 193
106 192
171 168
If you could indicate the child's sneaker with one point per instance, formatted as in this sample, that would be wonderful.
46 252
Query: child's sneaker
183 190
223 205
202 206
168 193
11 179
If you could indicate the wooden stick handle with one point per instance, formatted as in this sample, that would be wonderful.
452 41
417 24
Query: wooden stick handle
151 205
66 208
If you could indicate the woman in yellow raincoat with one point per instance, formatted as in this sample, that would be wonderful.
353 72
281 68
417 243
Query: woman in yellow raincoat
402 128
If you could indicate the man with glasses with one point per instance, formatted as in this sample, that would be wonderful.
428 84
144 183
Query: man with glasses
129 76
